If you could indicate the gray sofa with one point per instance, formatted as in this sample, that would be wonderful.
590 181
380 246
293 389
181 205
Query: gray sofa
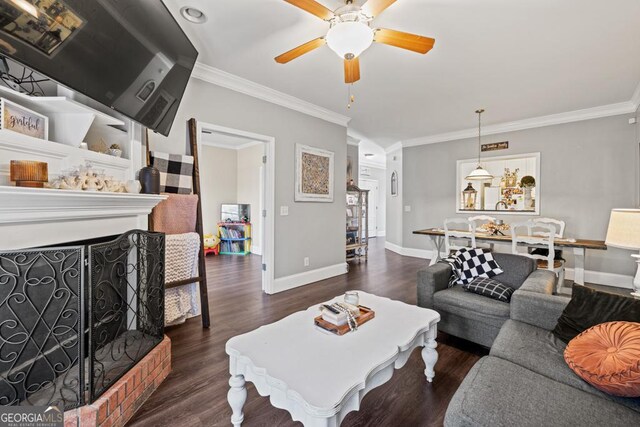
474 317
525 381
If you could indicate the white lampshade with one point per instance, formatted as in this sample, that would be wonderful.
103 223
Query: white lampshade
624 229
479 174
346 38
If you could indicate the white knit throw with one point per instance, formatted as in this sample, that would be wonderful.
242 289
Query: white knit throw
181 262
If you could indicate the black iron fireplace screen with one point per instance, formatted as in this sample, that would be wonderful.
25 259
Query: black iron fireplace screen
53 351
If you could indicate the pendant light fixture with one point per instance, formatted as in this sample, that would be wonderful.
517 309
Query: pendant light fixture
479 174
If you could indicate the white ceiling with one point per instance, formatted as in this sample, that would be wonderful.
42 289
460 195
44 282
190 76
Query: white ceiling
517 59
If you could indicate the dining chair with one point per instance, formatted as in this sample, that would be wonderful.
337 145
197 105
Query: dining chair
484 219
540 235
559 227
456 229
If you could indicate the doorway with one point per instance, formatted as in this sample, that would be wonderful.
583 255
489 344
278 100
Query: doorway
373 187
237 175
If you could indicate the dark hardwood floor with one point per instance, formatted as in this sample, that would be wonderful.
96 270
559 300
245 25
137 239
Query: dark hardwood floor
195 393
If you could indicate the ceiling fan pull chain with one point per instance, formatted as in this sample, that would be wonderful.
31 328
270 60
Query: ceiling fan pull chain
352 98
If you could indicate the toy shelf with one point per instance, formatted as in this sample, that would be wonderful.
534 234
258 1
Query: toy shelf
235 238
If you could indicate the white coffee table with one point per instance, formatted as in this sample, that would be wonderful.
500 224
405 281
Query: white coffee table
320 377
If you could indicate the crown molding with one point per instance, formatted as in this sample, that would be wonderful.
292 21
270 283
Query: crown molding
353 141
535 122
635 99
395 147
230 81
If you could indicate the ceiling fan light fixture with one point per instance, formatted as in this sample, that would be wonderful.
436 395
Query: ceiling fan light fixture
349 39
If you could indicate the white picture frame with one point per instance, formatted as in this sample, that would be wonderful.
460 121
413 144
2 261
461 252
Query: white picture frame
16 118
529 163
315 171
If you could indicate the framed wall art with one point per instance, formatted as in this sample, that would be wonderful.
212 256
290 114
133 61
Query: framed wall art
314 174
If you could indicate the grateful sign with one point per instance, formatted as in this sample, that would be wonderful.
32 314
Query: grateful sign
19 119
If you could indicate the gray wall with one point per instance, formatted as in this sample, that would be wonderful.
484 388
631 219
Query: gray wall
218 177
353 153
315 230
394 215
587 168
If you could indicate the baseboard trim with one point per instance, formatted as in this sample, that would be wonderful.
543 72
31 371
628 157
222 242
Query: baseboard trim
590 276
393 247
602 278
410 252
282 284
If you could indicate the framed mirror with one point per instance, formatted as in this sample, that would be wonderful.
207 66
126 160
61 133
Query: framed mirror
394 183
514 189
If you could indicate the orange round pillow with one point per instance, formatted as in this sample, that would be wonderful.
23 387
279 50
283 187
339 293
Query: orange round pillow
607 356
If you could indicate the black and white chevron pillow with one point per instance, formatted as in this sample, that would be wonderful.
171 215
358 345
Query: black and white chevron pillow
476 263
489 288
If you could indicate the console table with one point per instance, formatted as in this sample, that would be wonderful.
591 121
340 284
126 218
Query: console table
579 247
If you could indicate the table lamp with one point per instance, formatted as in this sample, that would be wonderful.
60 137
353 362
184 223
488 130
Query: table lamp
624 233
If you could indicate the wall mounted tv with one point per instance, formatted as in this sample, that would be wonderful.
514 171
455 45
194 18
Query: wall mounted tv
130 55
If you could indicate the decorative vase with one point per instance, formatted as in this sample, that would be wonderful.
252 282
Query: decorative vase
133 186
149 178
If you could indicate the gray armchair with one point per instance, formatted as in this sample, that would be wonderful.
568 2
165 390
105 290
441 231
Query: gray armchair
474 317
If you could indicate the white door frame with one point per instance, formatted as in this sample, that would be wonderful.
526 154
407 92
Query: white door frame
268 238
377 182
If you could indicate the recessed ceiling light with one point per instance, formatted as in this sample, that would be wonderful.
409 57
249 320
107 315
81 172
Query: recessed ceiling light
368 154
194 15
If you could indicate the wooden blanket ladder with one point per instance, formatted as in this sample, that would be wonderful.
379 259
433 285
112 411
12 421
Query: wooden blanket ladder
201 279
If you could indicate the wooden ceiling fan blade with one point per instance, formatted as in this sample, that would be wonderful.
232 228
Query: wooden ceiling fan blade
413 42
313 7
351 70
300 50
376 7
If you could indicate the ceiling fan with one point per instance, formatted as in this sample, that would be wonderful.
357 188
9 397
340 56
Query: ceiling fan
350 33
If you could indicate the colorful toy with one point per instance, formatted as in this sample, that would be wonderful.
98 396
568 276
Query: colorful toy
211 242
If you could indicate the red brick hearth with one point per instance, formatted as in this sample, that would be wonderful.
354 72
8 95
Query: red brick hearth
118 404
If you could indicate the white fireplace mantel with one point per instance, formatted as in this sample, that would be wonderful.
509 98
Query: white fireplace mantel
31 217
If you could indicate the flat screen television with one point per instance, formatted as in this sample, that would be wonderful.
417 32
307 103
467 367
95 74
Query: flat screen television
130 55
